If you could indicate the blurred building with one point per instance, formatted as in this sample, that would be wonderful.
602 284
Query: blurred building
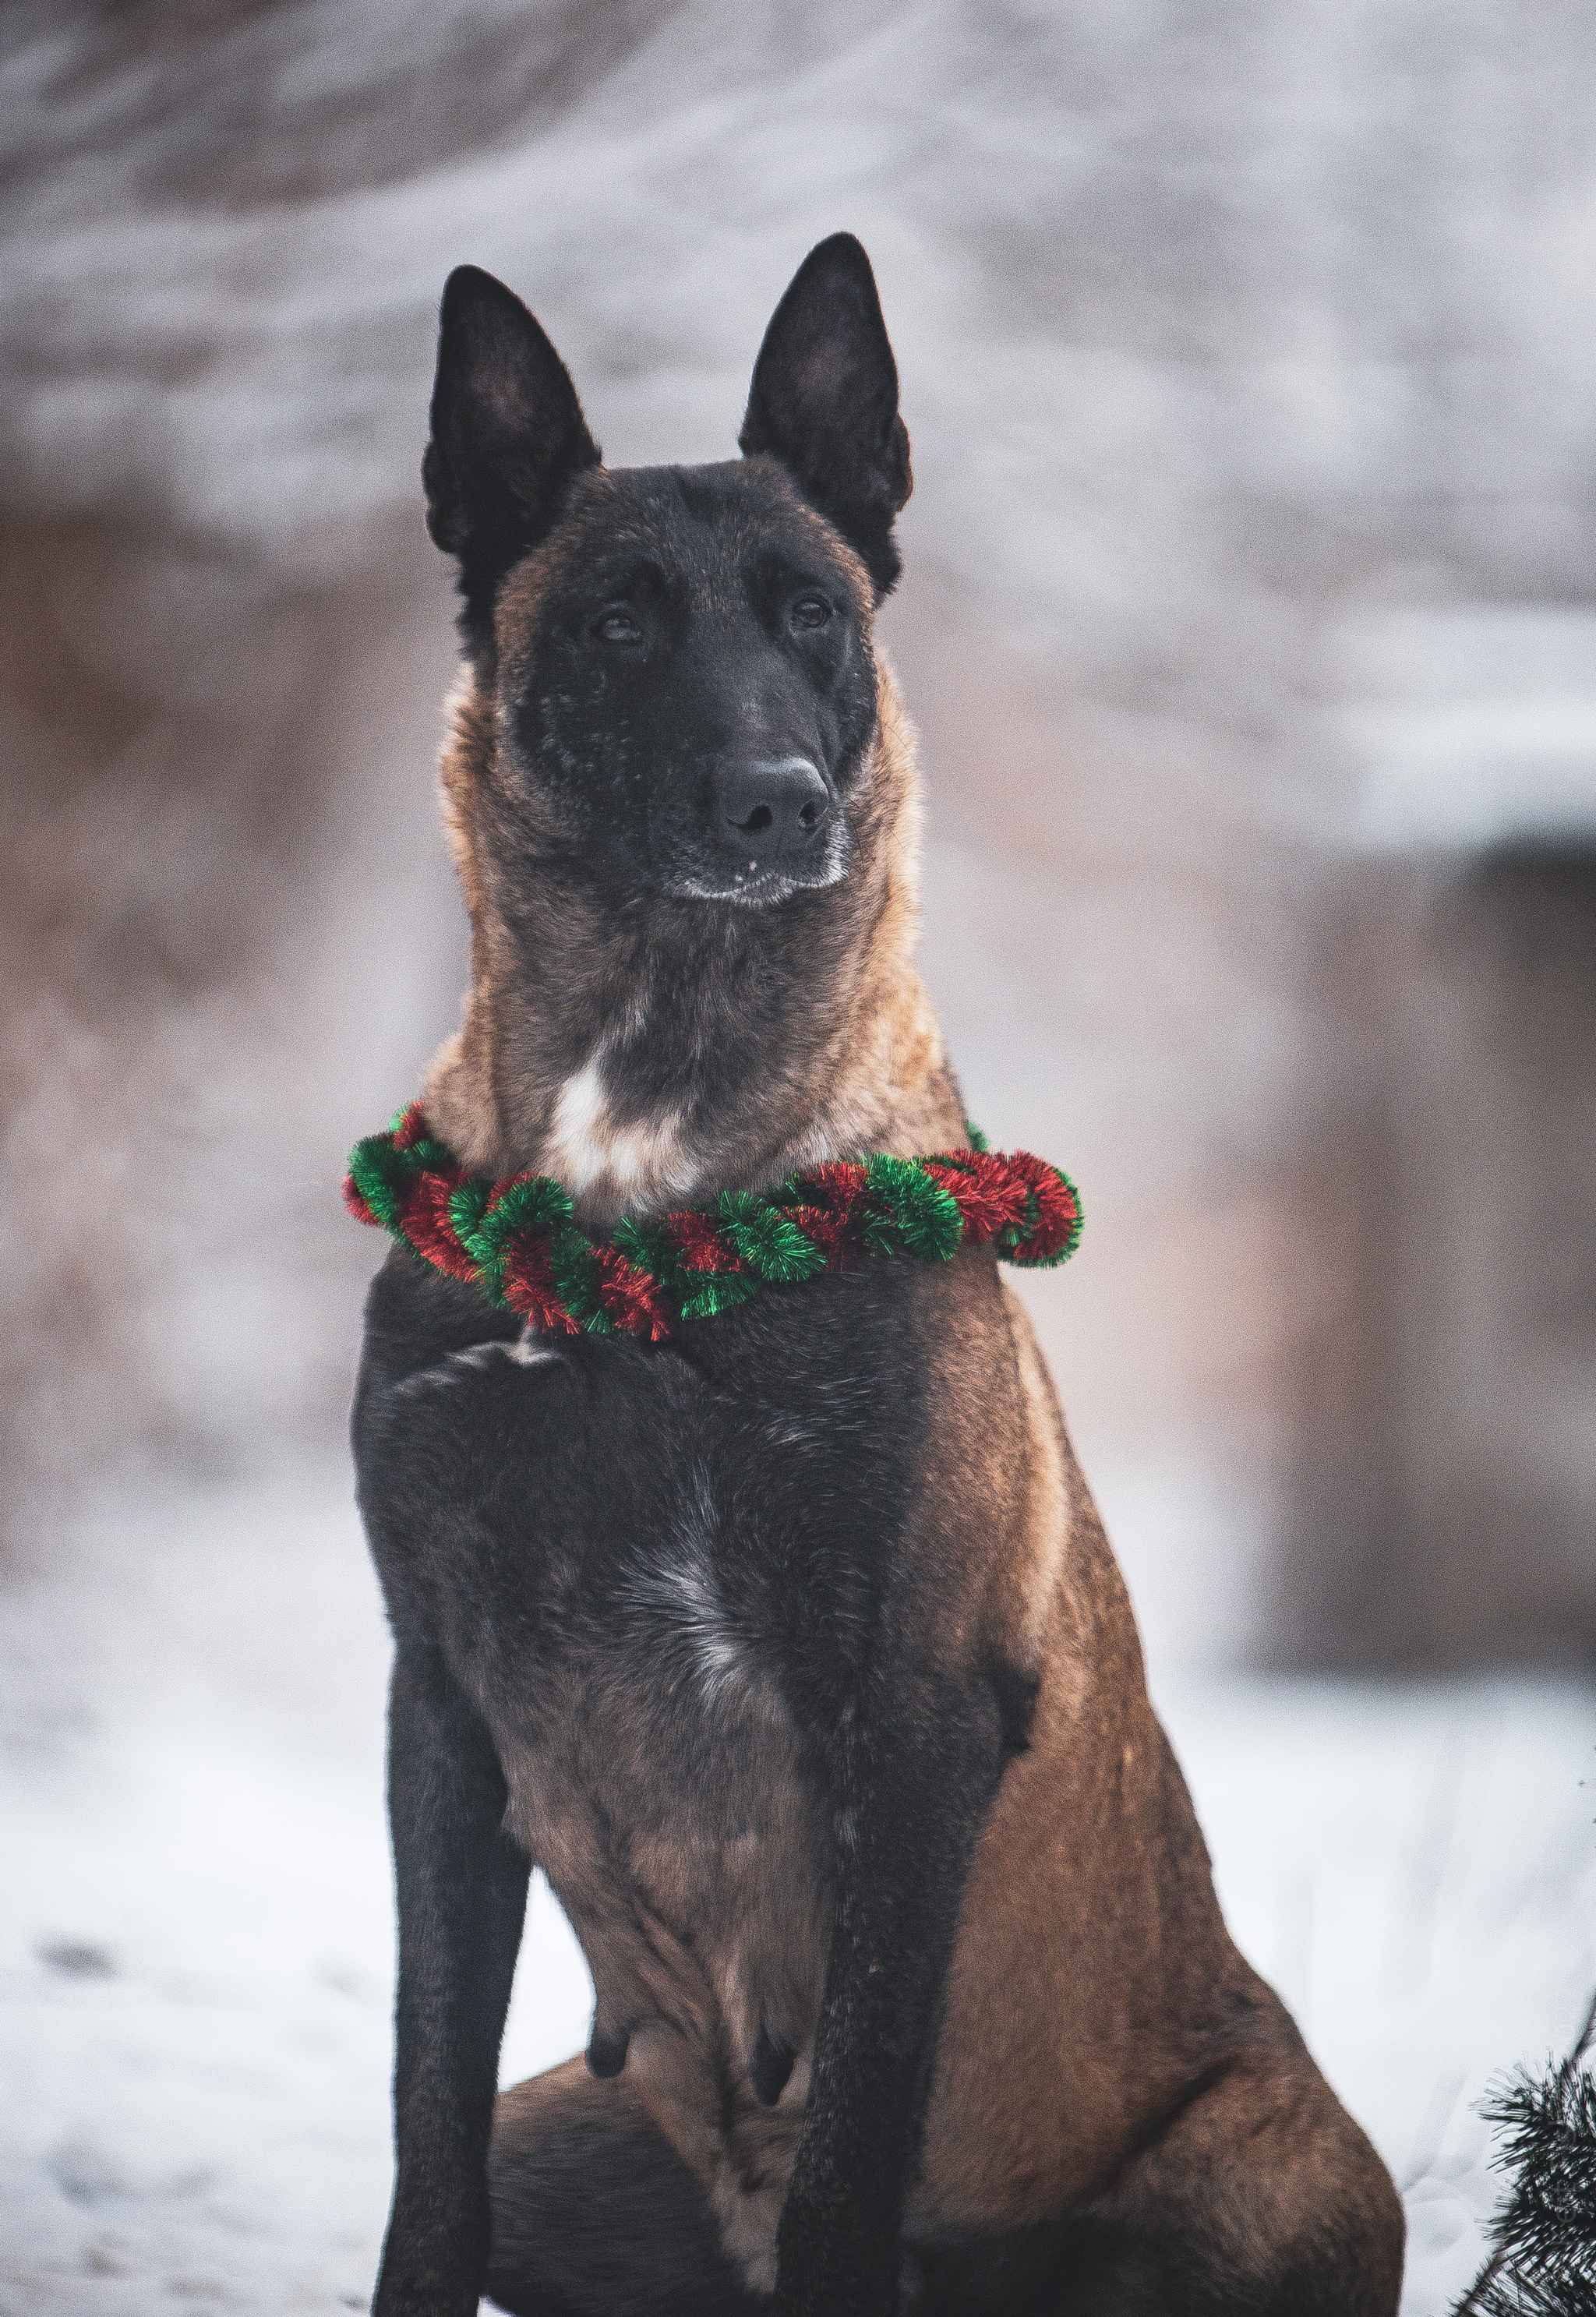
1250 618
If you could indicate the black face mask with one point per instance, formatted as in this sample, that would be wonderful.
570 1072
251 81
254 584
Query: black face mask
695 692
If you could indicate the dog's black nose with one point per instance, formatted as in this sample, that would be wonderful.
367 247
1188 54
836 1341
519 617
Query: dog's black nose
773 809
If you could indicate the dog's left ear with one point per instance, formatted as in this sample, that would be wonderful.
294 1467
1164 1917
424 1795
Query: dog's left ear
508 434
824 401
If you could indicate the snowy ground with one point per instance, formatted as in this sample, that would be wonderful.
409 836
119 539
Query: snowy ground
194 1918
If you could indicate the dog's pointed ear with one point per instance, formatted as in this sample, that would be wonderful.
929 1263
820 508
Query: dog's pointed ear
508 434
824 401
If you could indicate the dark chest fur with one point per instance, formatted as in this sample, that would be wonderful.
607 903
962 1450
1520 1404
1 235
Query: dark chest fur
657 1574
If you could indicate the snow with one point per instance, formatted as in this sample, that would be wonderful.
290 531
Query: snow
195 1925
1245 364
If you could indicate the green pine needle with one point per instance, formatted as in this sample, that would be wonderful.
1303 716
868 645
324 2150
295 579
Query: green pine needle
1543 2260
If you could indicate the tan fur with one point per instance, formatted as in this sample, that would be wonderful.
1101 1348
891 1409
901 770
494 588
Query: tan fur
1088 1950
696 1935
887 1085
1097 2015
459 1092
880 1084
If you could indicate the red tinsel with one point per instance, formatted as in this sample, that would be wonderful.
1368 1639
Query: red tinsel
412 1127
700 1243
631 1297
355 1204
985 1192
530 1289
404 1180
1058 1213
424 1213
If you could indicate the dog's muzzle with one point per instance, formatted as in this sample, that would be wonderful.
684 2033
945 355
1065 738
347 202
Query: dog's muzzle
772 814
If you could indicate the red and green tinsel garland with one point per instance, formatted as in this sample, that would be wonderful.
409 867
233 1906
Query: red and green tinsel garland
517 1239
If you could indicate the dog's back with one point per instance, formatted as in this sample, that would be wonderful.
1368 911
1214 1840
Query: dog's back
791 1648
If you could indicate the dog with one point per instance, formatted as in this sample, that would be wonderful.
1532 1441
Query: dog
790 1647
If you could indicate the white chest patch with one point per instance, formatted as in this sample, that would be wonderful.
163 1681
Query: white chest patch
686 1624
641 1160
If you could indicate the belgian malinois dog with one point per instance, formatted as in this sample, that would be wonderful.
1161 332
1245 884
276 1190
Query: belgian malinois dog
790 1648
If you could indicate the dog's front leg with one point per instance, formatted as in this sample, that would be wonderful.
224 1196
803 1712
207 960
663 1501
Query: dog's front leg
462 1888
917 1786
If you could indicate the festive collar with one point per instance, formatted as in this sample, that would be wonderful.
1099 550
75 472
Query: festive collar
517 1240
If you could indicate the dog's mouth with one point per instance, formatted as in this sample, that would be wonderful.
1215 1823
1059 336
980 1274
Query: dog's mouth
755 860
774 828
761 885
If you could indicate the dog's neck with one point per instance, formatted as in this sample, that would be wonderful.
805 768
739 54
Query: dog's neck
651 1057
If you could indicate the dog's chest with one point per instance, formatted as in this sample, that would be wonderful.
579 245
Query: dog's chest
653 1575
620 1613
644 1734
667 1802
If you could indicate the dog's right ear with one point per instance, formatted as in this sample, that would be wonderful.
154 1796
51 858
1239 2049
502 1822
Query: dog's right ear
508 434
824 401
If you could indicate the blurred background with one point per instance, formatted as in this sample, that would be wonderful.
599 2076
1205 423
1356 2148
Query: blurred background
1249 353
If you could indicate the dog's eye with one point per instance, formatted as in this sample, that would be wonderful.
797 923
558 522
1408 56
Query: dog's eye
617 628
810 611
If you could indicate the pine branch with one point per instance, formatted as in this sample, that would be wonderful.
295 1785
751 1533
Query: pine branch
1543 2259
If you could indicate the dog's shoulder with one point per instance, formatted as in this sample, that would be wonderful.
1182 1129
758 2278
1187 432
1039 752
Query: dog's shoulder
416 1315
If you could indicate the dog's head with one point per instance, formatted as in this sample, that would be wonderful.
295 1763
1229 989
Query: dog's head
679 658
